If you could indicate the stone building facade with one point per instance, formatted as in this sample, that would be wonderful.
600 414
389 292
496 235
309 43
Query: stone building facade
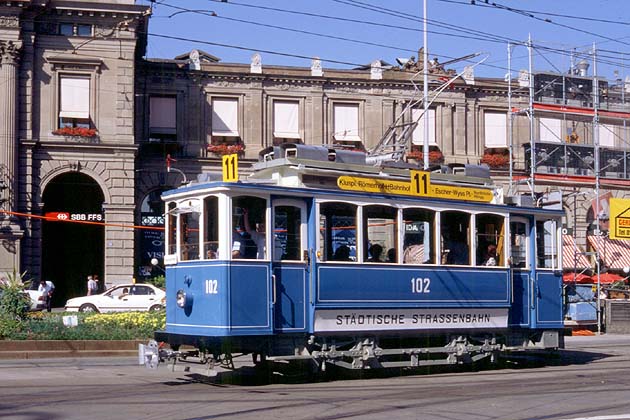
88 125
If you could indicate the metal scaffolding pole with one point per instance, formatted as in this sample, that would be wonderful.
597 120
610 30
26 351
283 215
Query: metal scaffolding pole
597 184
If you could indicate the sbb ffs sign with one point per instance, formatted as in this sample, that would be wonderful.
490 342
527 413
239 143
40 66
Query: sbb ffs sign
77 217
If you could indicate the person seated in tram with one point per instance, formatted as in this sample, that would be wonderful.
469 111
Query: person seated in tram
414 249
375 253
391 255
456 250
491 256
342 253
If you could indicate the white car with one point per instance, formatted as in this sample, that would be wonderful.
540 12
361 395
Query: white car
38 299
122 297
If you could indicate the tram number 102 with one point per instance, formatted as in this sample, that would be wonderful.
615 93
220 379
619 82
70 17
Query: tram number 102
212 287
420 285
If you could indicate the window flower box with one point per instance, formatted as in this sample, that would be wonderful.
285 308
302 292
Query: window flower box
496 160
226 149
435 156
75 132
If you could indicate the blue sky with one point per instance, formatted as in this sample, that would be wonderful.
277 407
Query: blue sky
397 27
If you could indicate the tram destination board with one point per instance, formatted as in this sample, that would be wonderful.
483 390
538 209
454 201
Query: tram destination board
419 186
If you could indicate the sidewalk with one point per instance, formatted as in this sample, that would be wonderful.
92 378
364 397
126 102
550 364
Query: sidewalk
38 349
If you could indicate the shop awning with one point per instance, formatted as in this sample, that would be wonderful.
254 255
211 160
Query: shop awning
573 257
615 253
607 278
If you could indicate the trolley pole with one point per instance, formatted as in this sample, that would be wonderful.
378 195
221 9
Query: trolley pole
425 70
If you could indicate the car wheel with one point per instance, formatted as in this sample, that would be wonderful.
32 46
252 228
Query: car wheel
87 307
156 308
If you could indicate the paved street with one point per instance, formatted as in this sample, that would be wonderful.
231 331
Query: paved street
591 378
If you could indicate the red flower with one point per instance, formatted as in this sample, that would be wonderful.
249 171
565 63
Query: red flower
225 149
496 160
435 156
75 132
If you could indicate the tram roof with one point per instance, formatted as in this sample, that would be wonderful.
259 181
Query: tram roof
303 170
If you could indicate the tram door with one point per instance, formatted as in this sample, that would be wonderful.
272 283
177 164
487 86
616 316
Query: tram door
289 264
520 234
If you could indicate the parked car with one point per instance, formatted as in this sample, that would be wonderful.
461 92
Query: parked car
38 299
122 297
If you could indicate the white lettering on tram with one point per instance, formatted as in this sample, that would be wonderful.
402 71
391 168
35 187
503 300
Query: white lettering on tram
420 285
212 287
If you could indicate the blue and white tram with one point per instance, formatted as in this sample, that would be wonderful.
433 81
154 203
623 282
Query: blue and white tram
303 260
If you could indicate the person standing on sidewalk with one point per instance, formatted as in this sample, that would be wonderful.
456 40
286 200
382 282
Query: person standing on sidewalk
92 286
47 287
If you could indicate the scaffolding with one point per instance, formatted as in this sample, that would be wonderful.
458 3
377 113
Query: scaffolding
586 153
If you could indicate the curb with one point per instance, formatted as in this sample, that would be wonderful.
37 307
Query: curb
41 349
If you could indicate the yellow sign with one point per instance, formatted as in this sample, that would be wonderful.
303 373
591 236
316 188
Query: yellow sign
619 218
230 168
420 186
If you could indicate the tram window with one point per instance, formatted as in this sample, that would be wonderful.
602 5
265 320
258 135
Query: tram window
286 233
419 246
172 229
454 229
211 238
546 244
189 236
249 234
518 244
379 224
338 235
490 235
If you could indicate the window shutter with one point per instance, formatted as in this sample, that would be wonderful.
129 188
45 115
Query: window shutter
75 98
163 114
286 120
418 133
550 130
225 117
346 122
496 129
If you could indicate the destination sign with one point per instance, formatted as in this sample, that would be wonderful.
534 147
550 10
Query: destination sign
420 186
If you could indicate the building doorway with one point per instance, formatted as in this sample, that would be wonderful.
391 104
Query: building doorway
73 250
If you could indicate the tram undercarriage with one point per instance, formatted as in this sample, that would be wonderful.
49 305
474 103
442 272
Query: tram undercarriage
369 352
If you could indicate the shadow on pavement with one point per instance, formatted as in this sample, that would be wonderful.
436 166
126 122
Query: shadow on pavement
282 373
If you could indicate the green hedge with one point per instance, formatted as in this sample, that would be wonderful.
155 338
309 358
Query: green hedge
114 326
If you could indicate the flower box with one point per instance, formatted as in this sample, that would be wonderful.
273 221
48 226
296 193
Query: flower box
496 160
435 156
75 132
226 149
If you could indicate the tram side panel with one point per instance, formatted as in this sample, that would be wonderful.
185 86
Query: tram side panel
371 299
548 295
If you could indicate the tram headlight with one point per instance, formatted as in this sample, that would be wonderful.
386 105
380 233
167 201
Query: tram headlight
181 298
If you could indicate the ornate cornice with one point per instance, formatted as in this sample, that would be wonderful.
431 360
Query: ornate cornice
9 21
9 52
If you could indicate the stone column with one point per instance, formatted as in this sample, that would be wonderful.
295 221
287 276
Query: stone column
9 61
10 230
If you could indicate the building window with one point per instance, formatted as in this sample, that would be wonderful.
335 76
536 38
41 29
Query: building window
74 102
162 118
550 130
225 118
73 29
346 122
286 120
418 133
607 135
83 30
495 124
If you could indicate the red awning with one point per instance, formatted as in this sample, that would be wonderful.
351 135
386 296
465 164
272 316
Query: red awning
573 257
607 278
577 278
615 253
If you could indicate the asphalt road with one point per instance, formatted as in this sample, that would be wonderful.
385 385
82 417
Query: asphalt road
588 380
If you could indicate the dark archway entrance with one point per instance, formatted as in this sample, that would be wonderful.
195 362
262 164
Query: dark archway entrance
72 251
